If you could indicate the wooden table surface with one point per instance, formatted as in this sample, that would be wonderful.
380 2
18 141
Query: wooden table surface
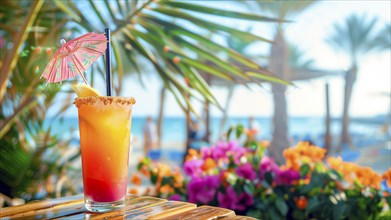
136 207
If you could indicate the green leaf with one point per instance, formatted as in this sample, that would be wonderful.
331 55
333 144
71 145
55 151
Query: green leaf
212 58
211 25
154 178
67 10
255 213
206 68
388 200
229 132
93 6
198 82
118 59
304 169
338 211
216 11
269 78
281 206
313 203
176 30
166 180
274 213
120 8
249 188
269 178
139 166
245 36
110 10
239 130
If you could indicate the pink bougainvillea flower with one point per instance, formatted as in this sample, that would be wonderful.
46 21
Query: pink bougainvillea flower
193 167
223 150
244 200
227 199
268 165
287 177
246 171
220 151
175 197
202 189
231 200
206 152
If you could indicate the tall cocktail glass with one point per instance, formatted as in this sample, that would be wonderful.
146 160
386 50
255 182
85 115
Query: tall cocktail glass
104 124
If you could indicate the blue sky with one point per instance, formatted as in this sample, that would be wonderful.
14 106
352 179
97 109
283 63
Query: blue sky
309 31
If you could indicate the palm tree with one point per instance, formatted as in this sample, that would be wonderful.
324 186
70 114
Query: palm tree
279 64
356 38
25 141
141 31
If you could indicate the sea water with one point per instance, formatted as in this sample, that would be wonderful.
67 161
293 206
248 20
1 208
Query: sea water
174 128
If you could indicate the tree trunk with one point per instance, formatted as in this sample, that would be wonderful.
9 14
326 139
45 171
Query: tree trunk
226 108
188 124
206 138
160 117
350 79
278 64
280 139
327 135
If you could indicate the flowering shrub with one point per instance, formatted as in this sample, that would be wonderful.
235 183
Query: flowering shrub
244 179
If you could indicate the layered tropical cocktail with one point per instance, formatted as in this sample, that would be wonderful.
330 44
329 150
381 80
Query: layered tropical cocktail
104 124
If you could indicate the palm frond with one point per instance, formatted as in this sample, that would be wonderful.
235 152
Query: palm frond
357 36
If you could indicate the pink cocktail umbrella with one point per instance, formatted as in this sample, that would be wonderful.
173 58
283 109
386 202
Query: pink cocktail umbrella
75 57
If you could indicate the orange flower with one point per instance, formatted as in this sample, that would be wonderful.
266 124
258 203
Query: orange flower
303 153
187 80
135 179
208 164
49 51
387 177
163 170
353 173
144 170
133 191
334 162
166 49
265 143
38 50
224 177
191 154
166 189
251 132
178 178
176 60
301 202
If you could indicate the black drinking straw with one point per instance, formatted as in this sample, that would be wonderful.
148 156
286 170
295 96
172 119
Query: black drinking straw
108 63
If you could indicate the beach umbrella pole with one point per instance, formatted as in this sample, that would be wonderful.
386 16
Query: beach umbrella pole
108 63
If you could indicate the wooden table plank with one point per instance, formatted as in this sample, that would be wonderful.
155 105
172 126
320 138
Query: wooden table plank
204 212
154 211
32 206
136 207
49 209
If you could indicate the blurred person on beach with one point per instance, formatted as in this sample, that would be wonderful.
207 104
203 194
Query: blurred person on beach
150 135
196 135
